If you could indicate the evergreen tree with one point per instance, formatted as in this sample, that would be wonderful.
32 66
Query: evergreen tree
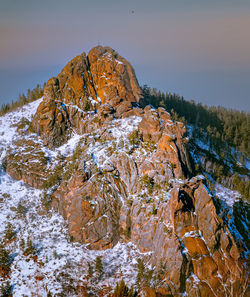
23 99
5 289
121 290
21 210
30 249
9 231
140 271
90 270
99 267
22 244
4 258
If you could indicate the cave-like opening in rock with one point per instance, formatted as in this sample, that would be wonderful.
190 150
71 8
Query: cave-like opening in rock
187 201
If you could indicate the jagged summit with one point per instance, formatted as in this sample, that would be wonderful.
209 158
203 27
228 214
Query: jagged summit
86 81
121 177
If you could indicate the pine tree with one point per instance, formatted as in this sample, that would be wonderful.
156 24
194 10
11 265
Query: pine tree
9 231
121 290
236 180
5 289
4 258
21 210
141 270
99 267
22 244
30 249
90 270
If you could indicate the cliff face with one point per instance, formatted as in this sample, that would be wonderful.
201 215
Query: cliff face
128 178
101 77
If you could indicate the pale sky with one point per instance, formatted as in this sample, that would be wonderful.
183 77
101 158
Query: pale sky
197 48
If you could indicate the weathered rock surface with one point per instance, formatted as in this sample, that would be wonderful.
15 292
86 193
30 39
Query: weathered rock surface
27 162
103 76
129 178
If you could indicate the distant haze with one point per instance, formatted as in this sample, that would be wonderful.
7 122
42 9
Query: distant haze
198 49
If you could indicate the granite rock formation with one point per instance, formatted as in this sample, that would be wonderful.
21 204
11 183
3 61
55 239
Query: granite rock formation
130 179
86 81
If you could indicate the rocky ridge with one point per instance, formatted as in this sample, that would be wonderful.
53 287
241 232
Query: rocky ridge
129 179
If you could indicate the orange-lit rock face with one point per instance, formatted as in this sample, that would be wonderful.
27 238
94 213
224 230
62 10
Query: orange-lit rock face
103 75
113 76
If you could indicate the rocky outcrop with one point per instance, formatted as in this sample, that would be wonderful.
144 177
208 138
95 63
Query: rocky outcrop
92 210
183 232
157 126
210 247
113 77
85 199
199 253
128 178
101 77
28 162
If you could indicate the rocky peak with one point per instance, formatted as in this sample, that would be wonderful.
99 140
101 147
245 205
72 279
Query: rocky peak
119 173
113 76
102 77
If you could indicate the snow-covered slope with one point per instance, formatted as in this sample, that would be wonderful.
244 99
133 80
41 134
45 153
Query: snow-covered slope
58 265
8 130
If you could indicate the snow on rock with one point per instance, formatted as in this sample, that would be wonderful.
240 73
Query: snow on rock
122 127
227 195
56 261
55 252
229 203
119 130
69 146
8 132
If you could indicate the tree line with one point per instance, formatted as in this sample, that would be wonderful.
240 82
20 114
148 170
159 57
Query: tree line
225 127
23 99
